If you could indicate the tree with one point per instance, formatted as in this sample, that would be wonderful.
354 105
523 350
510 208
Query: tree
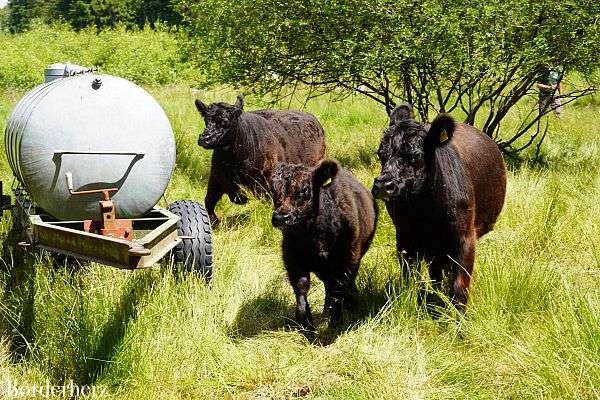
4 19
99 13
108 13
83 13
20 13
152 11
479 57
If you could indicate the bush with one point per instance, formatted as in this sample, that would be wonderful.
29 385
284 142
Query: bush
145 56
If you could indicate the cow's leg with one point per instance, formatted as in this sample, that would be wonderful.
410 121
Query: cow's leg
295 262
436 268
239 198
300 282
341 292
334 298
214 193
436 272
463 271
407 257
328 296
410 268
236 194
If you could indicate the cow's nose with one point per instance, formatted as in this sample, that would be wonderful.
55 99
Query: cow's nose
382 187
383 182
378 183
279 219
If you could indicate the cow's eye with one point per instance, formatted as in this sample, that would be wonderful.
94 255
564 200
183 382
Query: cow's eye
305 191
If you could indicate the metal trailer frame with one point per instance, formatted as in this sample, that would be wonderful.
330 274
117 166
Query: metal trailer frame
156 234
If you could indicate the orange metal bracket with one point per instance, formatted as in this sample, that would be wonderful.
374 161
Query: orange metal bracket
109 225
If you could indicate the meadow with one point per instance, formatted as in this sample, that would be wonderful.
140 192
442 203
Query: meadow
532 330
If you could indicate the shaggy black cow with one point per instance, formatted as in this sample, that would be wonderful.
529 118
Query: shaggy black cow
247 145
444 187
328 220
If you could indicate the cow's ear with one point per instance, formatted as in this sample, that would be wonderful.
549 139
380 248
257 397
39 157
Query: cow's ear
201 106
325 173
441 131
401 113
239 102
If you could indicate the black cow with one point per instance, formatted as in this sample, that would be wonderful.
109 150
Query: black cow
328 220
444 187
247 145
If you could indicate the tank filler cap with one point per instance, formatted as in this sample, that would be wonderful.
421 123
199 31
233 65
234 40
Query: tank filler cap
96 83
63 70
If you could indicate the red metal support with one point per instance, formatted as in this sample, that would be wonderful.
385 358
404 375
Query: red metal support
109 225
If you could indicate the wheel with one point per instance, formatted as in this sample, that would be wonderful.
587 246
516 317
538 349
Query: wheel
195 250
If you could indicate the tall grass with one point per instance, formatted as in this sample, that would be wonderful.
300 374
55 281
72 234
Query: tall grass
533 328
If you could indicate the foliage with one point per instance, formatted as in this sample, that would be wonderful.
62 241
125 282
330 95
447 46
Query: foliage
4 19
152 11
146 56
19 14
479 58
532 332
99 13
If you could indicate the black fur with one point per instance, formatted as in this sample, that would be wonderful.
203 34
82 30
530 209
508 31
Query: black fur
328 220
247 145
444 187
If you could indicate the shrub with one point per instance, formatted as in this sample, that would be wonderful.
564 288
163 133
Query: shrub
145 56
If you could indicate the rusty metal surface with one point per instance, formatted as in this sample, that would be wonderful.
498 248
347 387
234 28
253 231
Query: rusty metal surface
117 228
108 224
157 231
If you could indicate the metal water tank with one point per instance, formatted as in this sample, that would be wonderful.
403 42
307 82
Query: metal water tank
103 130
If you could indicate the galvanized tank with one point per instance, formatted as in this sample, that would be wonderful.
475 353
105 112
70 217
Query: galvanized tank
104 130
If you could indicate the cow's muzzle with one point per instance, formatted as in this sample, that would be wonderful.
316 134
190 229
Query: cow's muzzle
205 141
384 188
280 220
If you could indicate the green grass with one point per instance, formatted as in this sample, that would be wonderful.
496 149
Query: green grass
533 329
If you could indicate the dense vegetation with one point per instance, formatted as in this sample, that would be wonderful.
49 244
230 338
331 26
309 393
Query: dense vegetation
533 329
147 56
477 57
83 13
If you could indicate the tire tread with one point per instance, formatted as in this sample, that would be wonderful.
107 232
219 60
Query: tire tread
195 253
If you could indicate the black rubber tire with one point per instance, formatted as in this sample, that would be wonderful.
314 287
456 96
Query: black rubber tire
195 251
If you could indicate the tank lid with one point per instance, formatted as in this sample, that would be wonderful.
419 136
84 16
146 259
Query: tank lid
62 70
